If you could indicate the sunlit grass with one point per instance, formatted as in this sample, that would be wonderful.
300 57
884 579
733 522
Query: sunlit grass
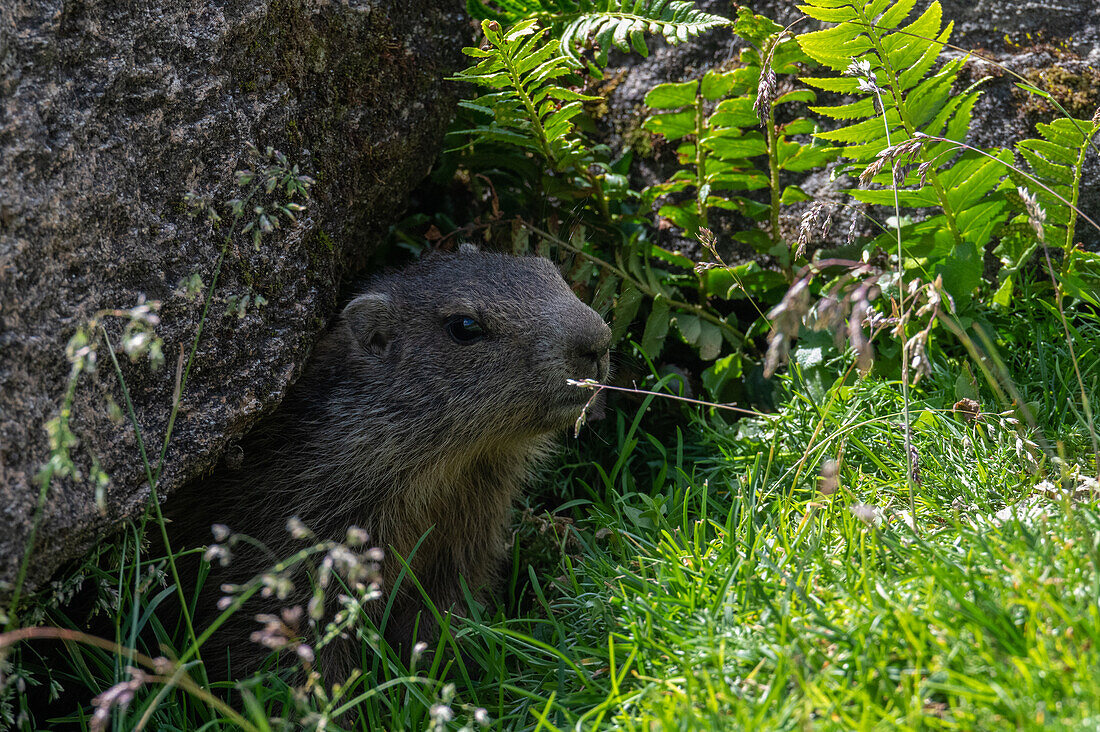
686 571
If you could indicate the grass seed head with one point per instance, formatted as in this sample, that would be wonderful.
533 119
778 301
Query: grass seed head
218 553
283 632
765 93
786 319
827 481
868 514
120 695
298 529
1036 216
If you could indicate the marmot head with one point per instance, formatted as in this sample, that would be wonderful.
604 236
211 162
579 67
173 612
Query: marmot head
477 343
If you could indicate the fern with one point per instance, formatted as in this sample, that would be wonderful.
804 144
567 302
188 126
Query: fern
618 23
1056 162
528 110
723 152
896 62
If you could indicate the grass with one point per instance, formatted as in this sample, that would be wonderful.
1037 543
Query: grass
681 570
700 573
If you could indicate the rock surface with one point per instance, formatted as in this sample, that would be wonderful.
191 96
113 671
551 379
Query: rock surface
109 114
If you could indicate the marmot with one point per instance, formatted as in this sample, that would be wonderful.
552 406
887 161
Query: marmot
420 414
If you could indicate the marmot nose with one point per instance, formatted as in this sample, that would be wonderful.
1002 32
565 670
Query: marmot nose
591 341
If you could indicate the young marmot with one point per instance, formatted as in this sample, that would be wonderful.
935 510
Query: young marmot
418 420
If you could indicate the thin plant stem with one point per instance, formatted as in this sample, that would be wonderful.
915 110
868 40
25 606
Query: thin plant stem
44 480
592 384
153 498
902 338
184 681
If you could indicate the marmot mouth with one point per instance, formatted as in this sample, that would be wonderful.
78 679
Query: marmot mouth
577 395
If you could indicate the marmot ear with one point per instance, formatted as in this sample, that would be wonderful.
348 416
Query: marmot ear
370 318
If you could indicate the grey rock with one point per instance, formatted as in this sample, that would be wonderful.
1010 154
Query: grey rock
1074 24
109 114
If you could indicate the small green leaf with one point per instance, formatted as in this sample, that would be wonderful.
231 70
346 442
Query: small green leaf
830 15
893 17
674 258
717 85
1003 296
800 126
798 95
793 194
750 181
839 84
925 420
672 96
682 215
672 125
747 146
690 327
836 47
519 30
961 272
734 113
966 386
756 238
656 328
710 341
720 374
753 27
626 308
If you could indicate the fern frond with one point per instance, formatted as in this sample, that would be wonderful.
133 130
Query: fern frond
1056 162
623 23
889 64
528 110
618 23
507 12
723 153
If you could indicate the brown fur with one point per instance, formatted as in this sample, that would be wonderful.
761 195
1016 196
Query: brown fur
399 429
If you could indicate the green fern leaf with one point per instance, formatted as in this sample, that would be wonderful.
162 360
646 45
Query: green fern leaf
1055 161
622 23
528 110
725 154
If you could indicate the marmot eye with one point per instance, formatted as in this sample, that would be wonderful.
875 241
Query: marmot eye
464 329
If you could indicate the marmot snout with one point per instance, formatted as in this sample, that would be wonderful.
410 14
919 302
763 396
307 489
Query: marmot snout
418 419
